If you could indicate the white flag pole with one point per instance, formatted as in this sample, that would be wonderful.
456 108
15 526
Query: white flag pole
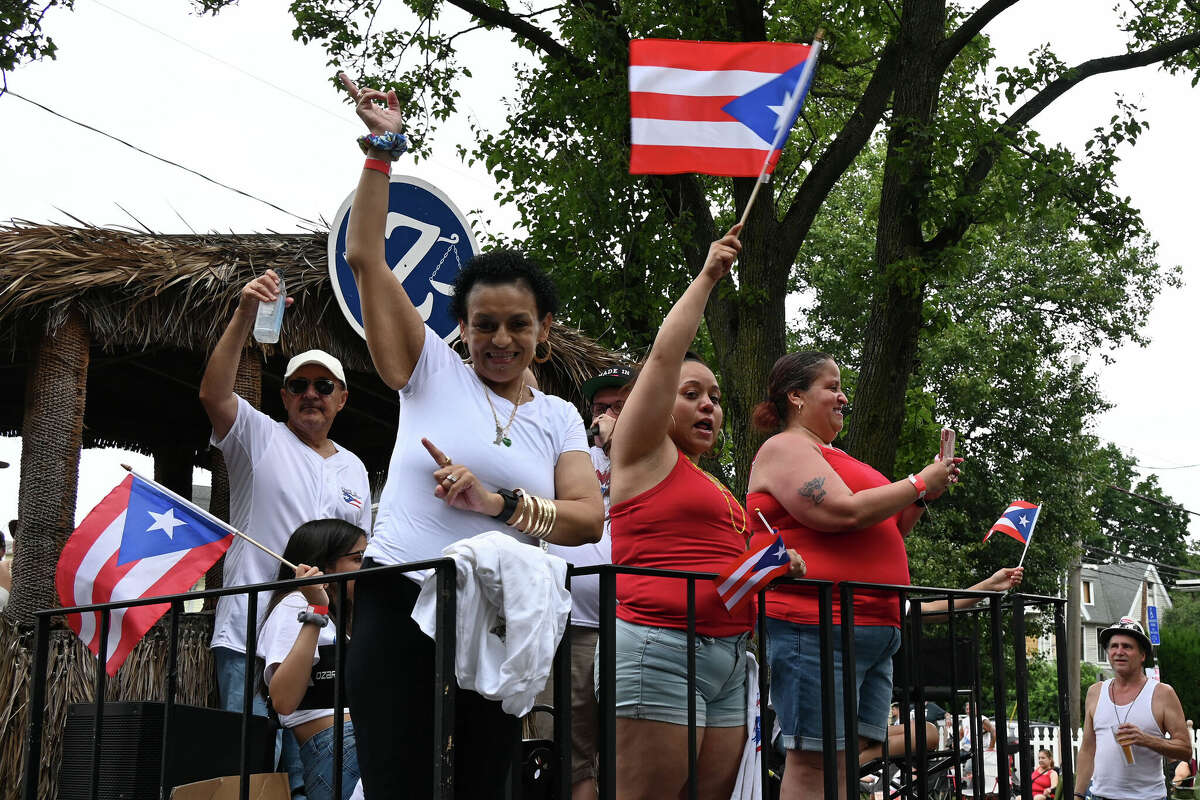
210 517
1029 538
785 118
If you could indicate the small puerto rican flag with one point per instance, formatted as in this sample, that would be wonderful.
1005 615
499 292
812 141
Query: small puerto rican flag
351 498
1017 521
752 571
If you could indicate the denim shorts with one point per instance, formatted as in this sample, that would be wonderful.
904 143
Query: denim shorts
317 756
651 676
793 651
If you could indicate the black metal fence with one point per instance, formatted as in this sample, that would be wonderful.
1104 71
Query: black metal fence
925 669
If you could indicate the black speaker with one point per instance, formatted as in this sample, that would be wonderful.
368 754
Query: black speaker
205 743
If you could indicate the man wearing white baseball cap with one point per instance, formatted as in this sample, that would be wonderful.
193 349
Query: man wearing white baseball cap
1131 722
281 474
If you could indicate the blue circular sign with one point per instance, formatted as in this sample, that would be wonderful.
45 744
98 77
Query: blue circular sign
427 241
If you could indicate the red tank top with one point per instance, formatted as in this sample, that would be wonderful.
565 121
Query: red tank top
1039 782
874 554
682 523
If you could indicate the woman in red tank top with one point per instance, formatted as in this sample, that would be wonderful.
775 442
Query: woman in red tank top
668 513
1044 779
849 522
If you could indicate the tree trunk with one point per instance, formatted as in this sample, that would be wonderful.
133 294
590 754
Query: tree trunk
51 438
890 345
749 326
173 469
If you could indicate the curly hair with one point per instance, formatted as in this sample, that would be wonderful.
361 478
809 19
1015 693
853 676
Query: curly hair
500 267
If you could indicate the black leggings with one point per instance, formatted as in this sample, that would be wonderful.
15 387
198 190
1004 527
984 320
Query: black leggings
390 685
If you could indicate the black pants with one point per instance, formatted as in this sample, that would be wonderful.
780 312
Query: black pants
390 684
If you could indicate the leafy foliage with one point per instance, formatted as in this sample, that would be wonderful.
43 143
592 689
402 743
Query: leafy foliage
22 38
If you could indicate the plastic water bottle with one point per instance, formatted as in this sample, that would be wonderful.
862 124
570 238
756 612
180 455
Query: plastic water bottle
270 316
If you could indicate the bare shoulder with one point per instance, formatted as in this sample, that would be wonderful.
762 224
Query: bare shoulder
1093 693
1165 693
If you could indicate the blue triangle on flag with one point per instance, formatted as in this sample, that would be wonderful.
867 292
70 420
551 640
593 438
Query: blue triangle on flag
156 524
759 109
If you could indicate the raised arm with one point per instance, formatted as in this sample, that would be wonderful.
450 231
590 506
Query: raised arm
645 419
394 328
216 387
1001 580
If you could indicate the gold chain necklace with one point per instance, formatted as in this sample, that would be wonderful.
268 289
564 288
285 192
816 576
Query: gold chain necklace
502 431
726 495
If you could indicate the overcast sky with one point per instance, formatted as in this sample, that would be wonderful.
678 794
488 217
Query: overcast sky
235 98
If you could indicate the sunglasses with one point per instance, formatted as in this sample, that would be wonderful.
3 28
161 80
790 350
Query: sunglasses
300 385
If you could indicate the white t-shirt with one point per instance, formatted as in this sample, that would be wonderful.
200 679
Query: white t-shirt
275 641
445 402
585 589
276 484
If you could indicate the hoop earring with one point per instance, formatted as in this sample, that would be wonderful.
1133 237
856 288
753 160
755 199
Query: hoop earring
544 358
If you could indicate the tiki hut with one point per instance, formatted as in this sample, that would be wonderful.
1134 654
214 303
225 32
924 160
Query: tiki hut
103 339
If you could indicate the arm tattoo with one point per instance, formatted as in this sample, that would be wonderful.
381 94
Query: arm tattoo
813 490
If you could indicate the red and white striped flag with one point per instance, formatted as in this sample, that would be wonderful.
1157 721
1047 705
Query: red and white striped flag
750 572
718 108
141 540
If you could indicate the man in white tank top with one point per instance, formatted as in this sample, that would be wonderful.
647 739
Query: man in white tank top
1132 722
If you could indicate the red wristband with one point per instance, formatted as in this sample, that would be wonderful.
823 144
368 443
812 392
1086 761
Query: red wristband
379 165
919 484
319 610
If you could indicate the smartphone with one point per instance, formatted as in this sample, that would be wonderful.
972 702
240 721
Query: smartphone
946 451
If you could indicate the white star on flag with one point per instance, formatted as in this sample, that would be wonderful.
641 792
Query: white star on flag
781 551
166 523
1024 520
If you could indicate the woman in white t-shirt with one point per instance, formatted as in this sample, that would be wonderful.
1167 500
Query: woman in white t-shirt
477 449
297 643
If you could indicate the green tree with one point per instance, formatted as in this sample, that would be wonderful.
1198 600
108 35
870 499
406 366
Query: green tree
1179 660
959 153
22 38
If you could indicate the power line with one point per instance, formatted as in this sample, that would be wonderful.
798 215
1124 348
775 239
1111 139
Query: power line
1153 500
1159 469
242 192
1156 564
339 117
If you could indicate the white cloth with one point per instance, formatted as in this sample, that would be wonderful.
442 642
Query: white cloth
276 640
358 793
3 598
445 402
511 613
276 484
1112 777
749 777
585 590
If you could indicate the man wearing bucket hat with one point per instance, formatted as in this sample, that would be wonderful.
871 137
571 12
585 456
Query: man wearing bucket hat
1131 722
281 474
605 395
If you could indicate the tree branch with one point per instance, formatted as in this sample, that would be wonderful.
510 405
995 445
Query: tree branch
1007 131
521 27
972 25
840 154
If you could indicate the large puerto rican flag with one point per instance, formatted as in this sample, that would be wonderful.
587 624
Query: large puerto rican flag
140 541
713 107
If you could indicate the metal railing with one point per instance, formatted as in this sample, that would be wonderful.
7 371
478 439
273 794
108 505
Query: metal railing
963 679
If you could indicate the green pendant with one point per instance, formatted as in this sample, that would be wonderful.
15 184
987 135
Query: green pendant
507 442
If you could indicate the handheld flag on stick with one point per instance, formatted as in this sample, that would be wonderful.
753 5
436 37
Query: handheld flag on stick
751 571
141 540
717 108
1017 521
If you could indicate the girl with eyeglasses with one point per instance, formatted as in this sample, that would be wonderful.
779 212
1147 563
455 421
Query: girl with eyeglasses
477 449
297 644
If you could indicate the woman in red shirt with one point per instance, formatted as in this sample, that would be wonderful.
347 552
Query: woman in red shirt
669 513
849 522
1044 779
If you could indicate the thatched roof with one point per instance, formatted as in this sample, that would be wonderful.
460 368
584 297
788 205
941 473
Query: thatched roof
155 306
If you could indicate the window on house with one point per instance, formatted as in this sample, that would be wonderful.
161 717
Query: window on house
1087 593
1101 656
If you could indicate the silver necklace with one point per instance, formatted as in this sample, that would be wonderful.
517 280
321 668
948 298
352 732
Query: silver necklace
502 430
